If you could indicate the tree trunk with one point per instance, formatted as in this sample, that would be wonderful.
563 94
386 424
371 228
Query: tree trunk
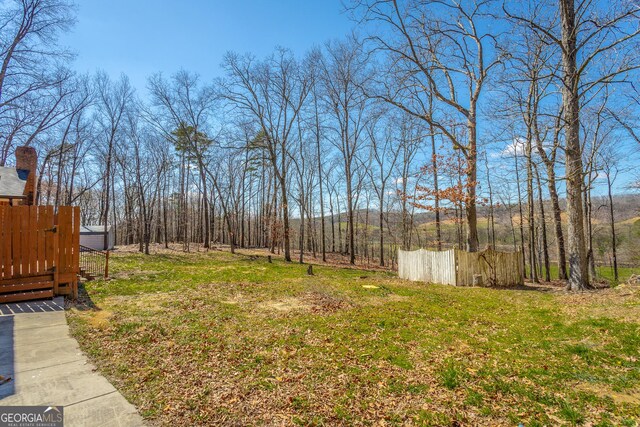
588 207
491 226
530 209
557 222
381 225
578 274
472 172
352 249
436 199
545 247
322 225
285 222
613 229
524 262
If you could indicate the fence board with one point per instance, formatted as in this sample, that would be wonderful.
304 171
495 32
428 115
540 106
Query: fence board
75 239
24 240
3 225
33 239
15 239
41 240
2 239
48 214
64 236
7 242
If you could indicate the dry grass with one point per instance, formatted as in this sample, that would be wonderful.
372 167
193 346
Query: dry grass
215 339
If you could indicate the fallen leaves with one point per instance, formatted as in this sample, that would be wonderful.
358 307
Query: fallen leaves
332 351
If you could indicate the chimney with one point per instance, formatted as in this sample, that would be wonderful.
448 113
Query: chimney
27 160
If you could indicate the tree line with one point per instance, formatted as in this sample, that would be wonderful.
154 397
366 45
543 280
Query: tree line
435 105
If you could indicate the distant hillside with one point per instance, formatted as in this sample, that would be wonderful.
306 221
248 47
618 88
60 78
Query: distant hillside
626 211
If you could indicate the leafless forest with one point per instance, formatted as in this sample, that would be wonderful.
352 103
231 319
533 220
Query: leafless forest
436 124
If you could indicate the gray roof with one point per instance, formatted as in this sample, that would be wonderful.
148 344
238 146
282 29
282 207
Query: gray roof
93 229
12 182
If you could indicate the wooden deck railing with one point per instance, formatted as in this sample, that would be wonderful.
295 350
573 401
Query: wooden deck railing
93 263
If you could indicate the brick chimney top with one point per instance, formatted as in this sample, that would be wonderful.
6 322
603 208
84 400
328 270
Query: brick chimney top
27 159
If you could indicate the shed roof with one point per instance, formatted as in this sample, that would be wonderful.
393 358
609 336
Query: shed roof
93 229
12 182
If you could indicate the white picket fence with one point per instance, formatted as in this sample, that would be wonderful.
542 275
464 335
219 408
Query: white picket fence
461 268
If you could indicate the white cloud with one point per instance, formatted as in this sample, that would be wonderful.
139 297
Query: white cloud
517 147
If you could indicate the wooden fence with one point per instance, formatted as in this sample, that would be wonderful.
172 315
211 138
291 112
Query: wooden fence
428 266
461 268
39 252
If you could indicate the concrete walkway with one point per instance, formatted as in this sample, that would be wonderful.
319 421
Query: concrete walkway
46 367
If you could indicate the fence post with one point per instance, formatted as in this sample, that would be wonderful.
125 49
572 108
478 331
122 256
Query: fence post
106 266
455 267
56 256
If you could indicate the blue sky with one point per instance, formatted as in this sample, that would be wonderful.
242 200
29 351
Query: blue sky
142 37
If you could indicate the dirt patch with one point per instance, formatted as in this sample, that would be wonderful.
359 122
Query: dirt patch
324 302
286 305
603 391
318 302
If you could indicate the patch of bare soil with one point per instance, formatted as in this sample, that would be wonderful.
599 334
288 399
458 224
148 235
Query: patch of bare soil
318 302
286 304
601 390
327 303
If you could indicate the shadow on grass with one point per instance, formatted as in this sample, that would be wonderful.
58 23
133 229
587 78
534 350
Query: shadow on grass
552 287
537 287
84 301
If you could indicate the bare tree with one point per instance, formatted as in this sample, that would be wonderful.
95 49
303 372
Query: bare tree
384 154
595 44
113 100
438 47
33 77
28 48
344 73
272 92
182 109
611 169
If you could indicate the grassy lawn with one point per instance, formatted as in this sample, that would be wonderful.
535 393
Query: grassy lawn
233 340
603 273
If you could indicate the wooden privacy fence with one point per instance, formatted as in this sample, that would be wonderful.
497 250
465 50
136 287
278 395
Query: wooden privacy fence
461 268
39 252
